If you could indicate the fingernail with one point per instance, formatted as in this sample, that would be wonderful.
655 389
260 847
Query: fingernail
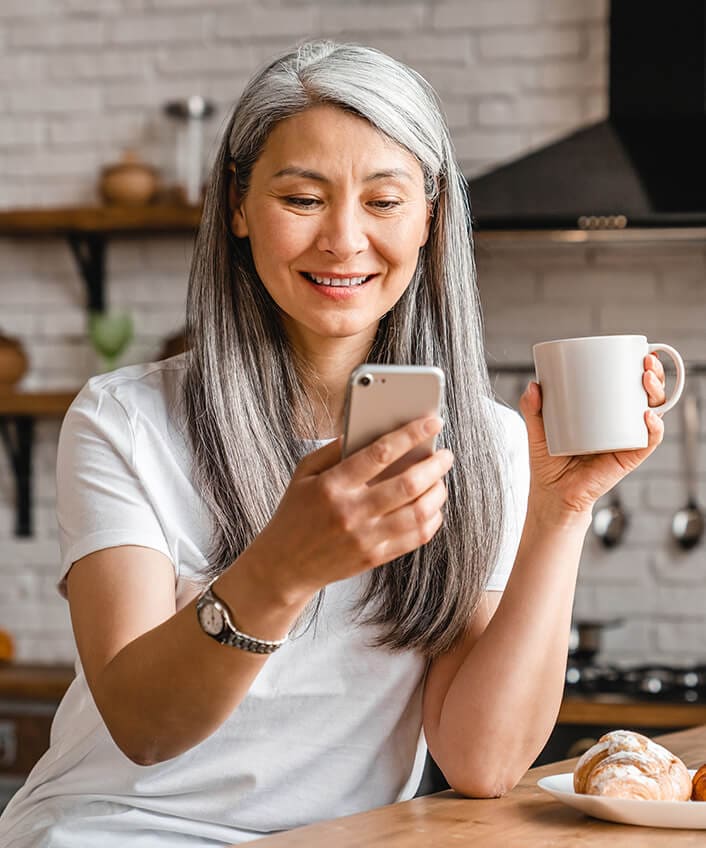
431 425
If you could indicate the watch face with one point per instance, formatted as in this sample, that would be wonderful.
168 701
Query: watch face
211 619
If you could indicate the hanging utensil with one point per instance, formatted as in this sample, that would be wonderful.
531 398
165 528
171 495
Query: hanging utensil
585 639
610 521
688 522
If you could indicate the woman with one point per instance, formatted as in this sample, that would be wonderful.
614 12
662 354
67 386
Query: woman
335 231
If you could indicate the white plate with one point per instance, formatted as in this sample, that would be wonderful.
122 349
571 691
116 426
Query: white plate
685 814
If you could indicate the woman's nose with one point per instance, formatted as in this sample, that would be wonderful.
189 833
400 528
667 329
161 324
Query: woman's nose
342 232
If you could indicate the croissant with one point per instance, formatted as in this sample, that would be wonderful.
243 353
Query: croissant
698 792
623 764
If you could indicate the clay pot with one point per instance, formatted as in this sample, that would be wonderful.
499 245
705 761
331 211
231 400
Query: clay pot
13 362
129 182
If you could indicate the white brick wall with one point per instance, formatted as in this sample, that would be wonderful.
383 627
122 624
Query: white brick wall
81 80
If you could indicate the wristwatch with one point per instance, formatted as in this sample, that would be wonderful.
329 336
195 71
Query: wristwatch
217 622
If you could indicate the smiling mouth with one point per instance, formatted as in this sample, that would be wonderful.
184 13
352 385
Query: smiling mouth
337 282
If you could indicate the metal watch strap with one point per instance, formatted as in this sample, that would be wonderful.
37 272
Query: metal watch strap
232 636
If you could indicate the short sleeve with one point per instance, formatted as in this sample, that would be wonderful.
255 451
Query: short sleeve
101 502
515 469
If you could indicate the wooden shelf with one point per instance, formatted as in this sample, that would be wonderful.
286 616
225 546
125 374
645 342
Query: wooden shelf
36 404
108 220
88 228
18 413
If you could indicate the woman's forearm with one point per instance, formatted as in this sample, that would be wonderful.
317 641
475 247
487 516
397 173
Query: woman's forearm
504 699
173 686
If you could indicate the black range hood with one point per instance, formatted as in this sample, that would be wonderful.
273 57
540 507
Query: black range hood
645 165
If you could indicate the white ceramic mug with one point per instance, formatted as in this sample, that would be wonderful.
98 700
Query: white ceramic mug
593 400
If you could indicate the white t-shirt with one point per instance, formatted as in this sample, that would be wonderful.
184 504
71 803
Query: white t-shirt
330 725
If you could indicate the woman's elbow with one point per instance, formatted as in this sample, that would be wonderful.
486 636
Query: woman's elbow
139 756
483 783
141 751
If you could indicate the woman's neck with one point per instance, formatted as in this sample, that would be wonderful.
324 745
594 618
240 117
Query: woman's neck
327 367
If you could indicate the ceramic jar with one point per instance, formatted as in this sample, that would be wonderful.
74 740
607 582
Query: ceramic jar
13 362
130 182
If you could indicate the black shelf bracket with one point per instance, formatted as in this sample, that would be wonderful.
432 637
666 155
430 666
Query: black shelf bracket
17 433
89 251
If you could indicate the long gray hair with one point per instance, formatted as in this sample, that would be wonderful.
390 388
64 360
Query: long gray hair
245 395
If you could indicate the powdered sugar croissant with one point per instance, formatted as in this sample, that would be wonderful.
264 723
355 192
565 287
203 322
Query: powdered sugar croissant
623 764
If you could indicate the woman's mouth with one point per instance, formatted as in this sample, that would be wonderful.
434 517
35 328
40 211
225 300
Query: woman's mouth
337 282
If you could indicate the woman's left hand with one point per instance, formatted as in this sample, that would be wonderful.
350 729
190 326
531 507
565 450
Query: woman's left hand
574 483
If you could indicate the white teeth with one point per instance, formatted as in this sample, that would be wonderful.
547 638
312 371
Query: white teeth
338 281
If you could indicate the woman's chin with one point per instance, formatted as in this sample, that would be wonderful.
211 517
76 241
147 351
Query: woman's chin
326 331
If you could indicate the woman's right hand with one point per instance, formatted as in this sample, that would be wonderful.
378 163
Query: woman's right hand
333 522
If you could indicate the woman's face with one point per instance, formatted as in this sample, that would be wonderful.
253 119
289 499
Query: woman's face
336 215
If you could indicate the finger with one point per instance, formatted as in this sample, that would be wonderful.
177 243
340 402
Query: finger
394 544
655 433
368 462
531 409
654 388
653 363
655 429
320 459
415 515
409 485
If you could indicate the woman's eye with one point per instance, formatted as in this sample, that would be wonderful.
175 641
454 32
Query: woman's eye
302 202
386 204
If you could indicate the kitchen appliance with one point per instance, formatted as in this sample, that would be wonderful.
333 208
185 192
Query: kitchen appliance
25 728
650 682
643 165
190 114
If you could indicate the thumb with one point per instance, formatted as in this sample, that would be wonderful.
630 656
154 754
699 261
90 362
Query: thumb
531 409
322 458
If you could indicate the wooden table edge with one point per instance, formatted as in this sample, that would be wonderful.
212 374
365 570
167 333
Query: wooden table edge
411 822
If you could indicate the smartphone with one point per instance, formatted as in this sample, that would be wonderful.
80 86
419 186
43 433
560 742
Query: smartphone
381 398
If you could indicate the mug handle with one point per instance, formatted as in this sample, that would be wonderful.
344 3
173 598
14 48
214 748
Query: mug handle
679 386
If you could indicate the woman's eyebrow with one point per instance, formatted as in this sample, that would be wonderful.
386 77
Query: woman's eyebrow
293 171
305 173
394 173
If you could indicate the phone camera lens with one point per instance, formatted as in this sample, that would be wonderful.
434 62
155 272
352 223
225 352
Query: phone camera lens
366 380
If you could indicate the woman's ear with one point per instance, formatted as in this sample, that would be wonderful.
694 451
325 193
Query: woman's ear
427 224
238 222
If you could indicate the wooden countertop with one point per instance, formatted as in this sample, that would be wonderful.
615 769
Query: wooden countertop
527 816
622 709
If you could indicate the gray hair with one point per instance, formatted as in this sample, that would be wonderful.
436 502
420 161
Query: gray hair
246 403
